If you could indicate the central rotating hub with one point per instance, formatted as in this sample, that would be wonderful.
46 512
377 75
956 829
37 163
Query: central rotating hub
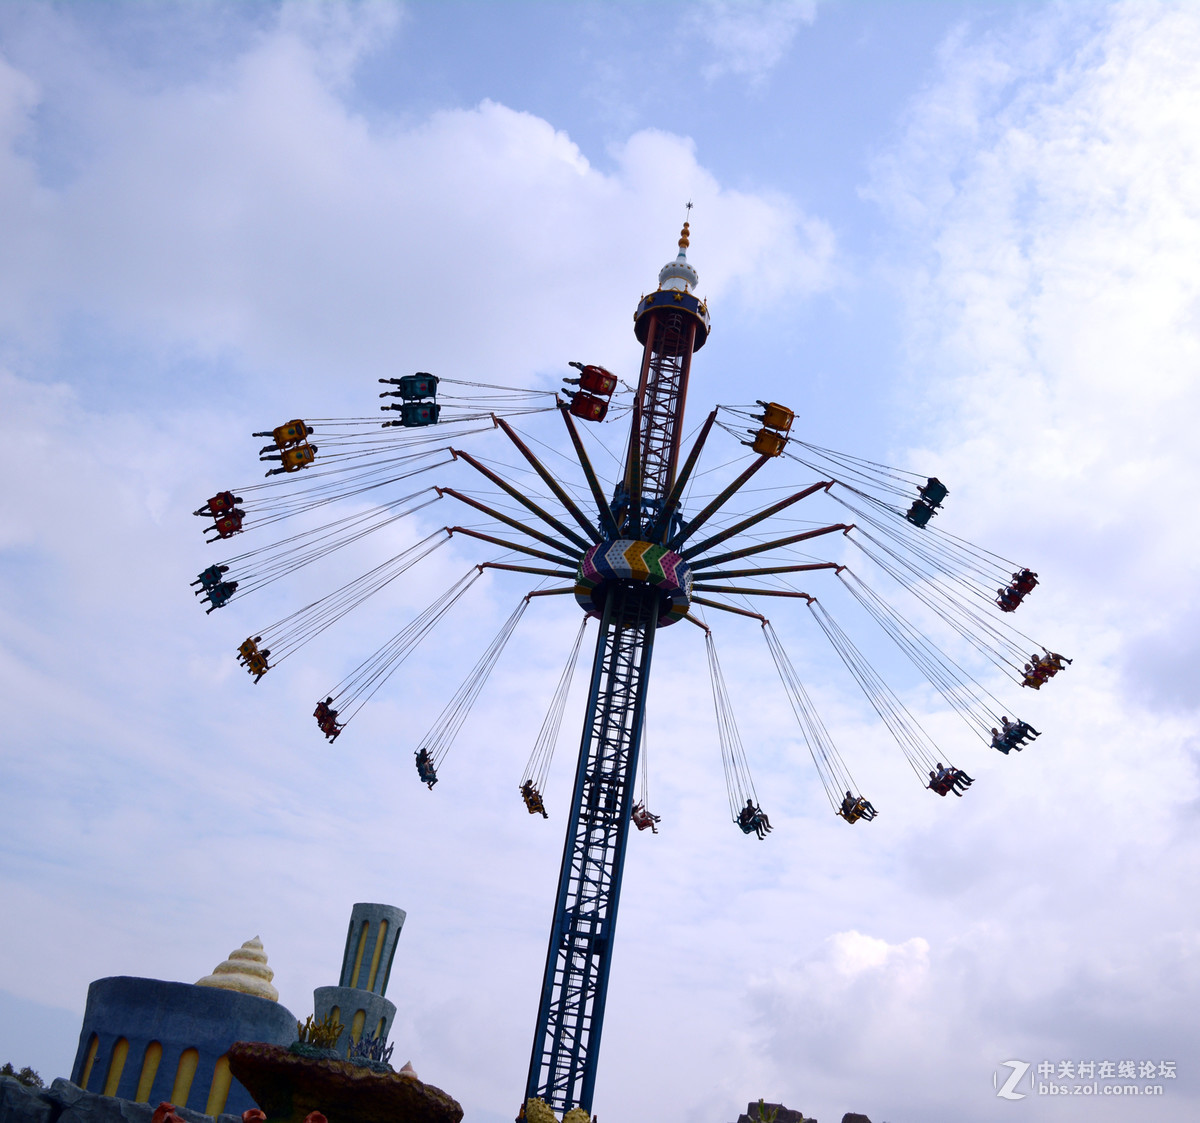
628 559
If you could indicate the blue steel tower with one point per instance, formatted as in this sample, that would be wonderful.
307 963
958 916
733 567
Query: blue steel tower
634 583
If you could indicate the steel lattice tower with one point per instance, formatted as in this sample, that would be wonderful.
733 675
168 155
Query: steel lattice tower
671 323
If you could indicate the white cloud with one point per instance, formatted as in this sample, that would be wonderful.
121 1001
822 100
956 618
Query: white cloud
1054 308
749 37
251 211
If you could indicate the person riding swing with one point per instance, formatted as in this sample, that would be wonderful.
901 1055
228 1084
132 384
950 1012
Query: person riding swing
327 720
855 808
643 818
753 820
533 800
425 768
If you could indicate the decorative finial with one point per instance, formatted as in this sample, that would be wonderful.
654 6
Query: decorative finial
246 971
680 274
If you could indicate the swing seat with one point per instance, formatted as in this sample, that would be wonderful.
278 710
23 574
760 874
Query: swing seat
776 416
230 524
210 578
425 768
414 387
292 433
934 492
533 800
855 811
768 443
643 819
220 503
297 457
219 595
919 513
595 380
413 415
588 407
257 665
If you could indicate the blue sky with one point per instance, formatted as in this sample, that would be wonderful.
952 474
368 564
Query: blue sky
959 238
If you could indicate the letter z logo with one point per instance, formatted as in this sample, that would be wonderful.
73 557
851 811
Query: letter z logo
1008 1091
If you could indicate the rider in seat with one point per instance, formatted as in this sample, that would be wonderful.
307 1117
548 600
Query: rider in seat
1001 742
1008 599
753 820
956 776
643 819
425 768
936 784
855 808
226 525
919 513
257 664
1049 664
934 491
327 720
1018 731
294 458
293 433
1015 734
209 579
1024 580
1019 587
254 660
533 799
218 596
219 504
946 780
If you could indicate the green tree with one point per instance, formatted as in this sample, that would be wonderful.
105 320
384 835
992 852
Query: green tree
26 1076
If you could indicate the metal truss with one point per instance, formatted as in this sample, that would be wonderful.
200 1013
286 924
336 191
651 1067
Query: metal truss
562 1068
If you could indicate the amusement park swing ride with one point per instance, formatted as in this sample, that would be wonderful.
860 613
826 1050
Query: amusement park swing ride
638 556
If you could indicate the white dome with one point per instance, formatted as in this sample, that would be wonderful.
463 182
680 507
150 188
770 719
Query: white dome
679 274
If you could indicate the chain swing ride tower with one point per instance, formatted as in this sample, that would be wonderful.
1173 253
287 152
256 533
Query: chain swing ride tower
635 583
634 563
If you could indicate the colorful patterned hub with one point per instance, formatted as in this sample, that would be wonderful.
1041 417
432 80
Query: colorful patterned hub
629 560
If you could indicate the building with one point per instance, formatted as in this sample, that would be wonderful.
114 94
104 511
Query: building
148 1040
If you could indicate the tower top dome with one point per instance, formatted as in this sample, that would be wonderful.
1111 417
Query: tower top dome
679 274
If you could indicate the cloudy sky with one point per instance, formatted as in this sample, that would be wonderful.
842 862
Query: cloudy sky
958 238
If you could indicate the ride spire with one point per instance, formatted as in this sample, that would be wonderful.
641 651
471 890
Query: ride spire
634 584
